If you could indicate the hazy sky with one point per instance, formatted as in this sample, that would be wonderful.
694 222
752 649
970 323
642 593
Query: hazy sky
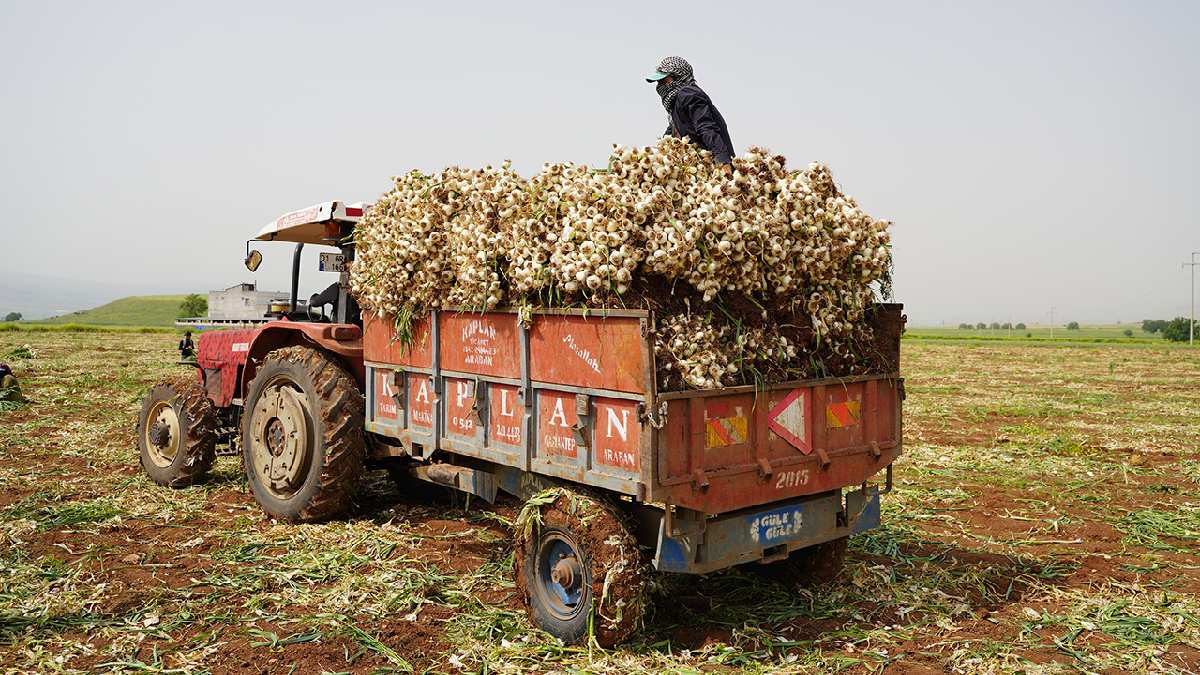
1030 154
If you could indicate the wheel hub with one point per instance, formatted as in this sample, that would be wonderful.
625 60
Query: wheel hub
162 433
567 572
279 438
276 436
561 582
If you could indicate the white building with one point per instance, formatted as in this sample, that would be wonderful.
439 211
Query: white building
242 302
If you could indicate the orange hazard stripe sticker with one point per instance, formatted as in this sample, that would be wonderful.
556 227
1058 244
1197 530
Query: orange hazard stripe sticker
843 414
723 431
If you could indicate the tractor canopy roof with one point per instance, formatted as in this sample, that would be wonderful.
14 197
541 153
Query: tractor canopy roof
317 224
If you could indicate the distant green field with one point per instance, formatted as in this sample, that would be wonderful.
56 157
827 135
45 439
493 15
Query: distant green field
39 327
136 310
1104 333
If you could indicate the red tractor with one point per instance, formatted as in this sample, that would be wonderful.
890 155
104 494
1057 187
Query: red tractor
560 408
291 387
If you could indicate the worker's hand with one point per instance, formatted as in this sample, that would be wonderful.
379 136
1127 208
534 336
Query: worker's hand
727 169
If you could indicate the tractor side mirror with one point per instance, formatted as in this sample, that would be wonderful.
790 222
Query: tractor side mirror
253 260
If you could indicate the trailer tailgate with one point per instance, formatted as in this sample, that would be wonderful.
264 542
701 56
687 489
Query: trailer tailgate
724 450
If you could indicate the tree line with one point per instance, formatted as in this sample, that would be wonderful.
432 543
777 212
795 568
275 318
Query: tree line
1175 330
992 326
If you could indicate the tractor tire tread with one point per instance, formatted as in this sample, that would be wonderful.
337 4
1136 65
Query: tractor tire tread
198 421
340 411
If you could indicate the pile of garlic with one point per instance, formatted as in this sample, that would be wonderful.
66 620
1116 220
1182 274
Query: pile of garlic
571 235
708 353
695 346
437 241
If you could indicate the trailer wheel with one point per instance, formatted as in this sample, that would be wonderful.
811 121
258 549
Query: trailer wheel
177 433
817 564
302 435
579 568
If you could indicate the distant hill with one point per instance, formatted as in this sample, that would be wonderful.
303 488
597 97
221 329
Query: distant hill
136 310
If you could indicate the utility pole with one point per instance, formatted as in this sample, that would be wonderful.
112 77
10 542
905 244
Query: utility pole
1192 318
1051 322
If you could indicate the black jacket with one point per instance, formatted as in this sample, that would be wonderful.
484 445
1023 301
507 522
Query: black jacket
694 115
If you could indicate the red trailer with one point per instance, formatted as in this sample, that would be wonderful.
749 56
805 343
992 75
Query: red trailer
563 412
713 478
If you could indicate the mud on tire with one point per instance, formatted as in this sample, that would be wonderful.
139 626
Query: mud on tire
177 433
322 411
610 598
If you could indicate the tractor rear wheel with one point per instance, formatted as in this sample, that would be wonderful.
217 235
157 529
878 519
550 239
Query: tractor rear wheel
579 568
812 565
177 433
302 435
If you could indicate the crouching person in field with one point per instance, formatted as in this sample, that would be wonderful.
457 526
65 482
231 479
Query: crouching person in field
10 389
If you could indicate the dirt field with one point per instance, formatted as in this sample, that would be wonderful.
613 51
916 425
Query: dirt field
1046 518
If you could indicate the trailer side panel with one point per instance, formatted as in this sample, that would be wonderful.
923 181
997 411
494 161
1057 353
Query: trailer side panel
572 397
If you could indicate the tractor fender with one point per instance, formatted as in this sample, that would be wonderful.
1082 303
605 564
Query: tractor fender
343 340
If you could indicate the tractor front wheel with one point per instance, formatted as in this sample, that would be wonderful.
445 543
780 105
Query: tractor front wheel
177 433
302 435
579 568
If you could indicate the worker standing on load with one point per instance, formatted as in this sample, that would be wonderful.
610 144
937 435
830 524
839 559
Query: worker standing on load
690 111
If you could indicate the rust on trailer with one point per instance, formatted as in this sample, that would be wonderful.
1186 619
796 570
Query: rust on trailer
592 352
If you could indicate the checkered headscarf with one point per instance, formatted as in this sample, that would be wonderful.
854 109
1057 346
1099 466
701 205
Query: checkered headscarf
681 72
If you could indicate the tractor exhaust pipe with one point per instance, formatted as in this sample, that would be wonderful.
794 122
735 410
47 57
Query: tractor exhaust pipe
296 274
